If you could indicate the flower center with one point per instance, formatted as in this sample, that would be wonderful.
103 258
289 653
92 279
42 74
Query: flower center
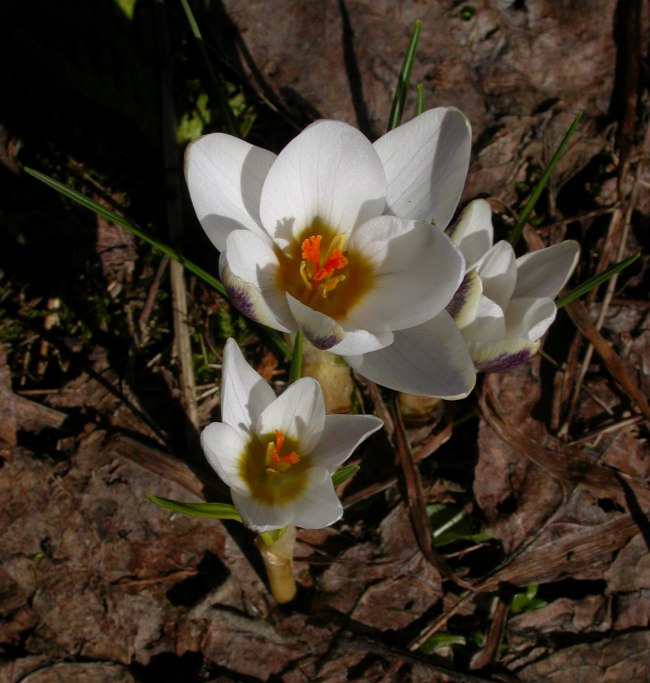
272 469
276 463
317 269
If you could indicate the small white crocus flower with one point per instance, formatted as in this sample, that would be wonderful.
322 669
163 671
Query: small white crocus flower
278 455
334 237
505 304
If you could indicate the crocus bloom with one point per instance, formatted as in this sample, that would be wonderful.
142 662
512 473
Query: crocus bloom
505 304
277 455
334 237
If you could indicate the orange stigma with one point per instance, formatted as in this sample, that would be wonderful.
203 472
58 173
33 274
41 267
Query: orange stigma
316 269
276 463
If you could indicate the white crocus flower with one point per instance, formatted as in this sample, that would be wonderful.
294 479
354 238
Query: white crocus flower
278 455
505 304
333 237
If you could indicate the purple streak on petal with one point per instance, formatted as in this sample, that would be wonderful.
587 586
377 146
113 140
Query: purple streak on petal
504 361
455 306
323 343
241 301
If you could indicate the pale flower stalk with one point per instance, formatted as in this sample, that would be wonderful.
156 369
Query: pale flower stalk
505 304
334 237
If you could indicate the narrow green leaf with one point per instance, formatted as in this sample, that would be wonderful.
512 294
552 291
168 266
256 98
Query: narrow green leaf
419 99
277 339
515 233
438 640
450 524
229 120
526 602
295 371
203 510
344 473
397 107
595 280
115 218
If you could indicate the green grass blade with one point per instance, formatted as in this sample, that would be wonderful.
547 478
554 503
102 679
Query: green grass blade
229 120
595 280
203 510
279 342
397 107
115 218
344 473
295 371
419 99
515 233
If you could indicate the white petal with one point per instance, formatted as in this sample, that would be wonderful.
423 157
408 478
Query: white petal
488 324
543 273
465 302
529 317
498 272
416 268
318 506
260 516
503 355
341 436
225 176
224 447
326 334
329 171
430 359
473 234
426 163
299 413
249 300
244 394
251 259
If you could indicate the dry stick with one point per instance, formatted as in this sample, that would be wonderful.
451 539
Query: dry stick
615 366
354 641
430 446
415 502
611 286
182 341
490 650
145 313
440 622
631 48
183 345
615 426
543 564
565 466
396 433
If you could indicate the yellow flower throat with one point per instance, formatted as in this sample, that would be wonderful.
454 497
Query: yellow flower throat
318 270
273 470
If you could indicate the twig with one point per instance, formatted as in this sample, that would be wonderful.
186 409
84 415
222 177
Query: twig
182 341
355 641
607 298
608 428
415 502
615 366
151 297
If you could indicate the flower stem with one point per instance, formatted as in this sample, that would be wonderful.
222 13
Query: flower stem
295 371
276 548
